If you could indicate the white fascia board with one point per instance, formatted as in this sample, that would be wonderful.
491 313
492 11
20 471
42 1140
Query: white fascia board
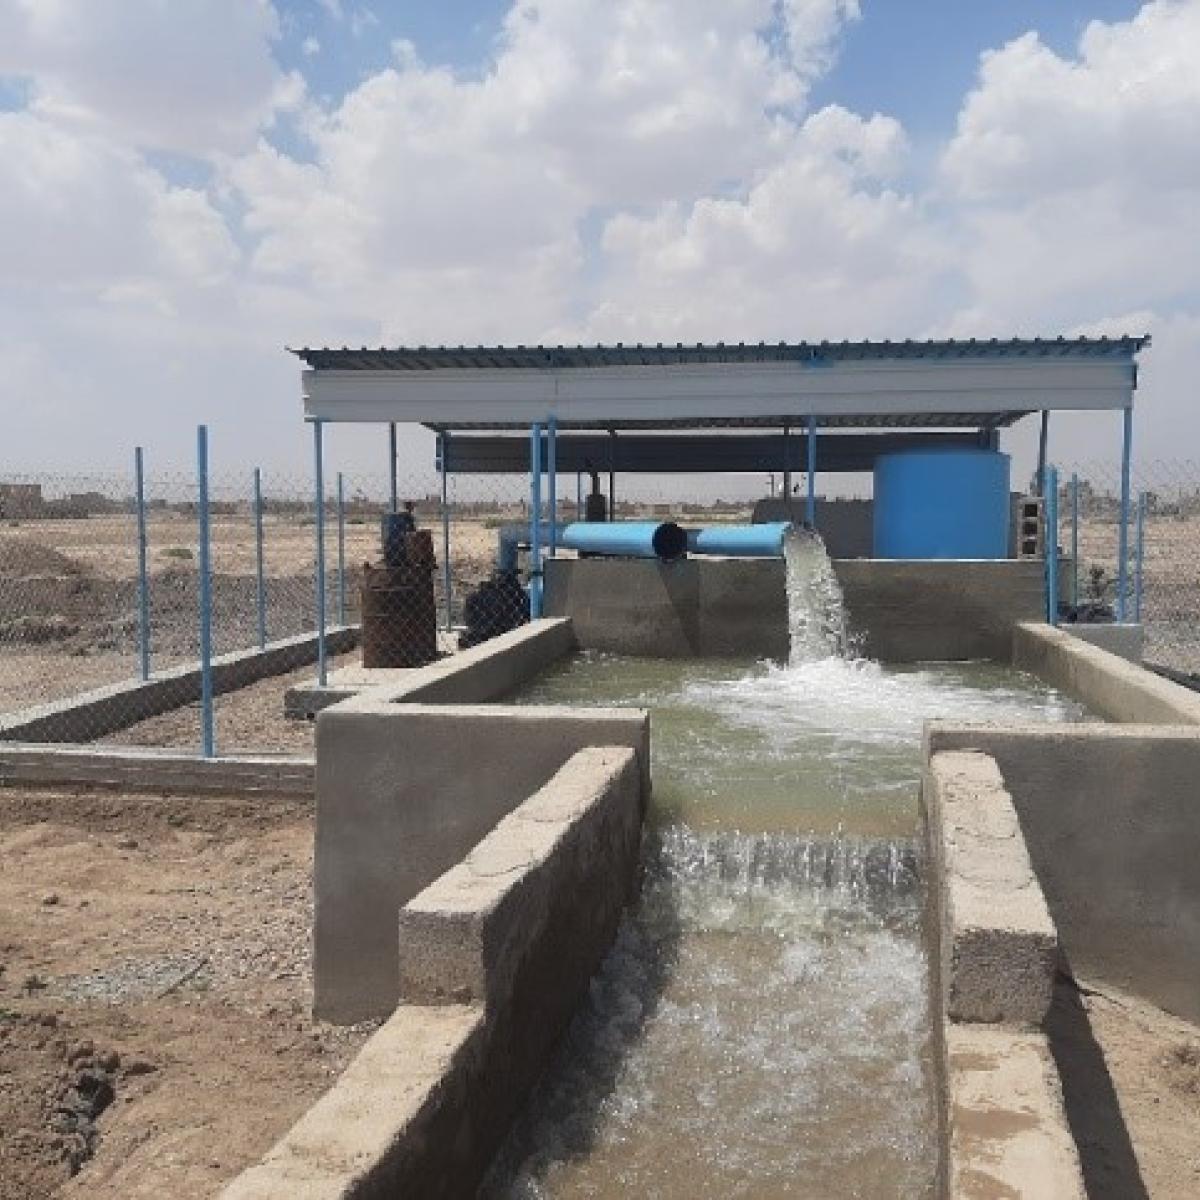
726 390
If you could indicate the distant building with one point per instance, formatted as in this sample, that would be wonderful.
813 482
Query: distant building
21 500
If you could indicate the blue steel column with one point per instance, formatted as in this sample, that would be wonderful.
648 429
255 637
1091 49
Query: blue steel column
535 516
395 485
143 578
1123 528
1138 556
1074 540
341 548
810 502
579 495
1050 491
319 484
206 682
447 577
552 478
260 575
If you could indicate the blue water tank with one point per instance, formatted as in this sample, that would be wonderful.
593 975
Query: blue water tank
942 504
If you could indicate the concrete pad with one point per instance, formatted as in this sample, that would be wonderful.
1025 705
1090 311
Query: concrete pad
999 947
1008 1133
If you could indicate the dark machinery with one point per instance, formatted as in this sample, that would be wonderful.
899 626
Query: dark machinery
399 621
494 607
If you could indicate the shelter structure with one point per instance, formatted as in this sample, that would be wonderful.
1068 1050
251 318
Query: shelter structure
789 407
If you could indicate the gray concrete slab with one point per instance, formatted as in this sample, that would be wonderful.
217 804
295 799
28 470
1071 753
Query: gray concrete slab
143 769
710 607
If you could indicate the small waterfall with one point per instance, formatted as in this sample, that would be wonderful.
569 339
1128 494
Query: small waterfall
816 608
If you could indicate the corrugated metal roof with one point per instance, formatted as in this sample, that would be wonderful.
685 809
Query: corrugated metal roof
434 358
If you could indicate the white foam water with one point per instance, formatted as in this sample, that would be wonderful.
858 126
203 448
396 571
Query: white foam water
816 607
758 1029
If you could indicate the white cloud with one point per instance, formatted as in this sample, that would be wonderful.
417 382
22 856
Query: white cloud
626 169
310 46
193 76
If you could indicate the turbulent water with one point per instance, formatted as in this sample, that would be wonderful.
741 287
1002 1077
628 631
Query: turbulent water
760 1027
816 609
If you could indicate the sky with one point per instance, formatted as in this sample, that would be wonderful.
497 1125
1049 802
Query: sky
189 186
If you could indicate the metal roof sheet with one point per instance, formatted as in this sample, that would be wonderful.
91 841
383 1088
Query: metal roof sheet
434 358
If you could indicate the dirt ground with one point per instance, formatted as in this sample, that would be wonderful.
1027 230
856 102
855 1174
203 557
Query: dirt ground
1131 1084
154 991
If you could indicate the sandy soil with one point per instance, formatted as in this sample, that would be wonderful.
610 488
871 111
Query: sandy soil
159 945
68 595
1131 1083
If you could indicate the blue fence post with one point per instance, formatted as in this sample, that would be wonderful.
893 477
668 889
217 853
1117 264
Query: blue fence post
143 576
341 548
260 574
447 575
579 495
1139 554
552 478
810 501
1050 492
319 485
1123 529
1074 541
207 746
392 468
535 517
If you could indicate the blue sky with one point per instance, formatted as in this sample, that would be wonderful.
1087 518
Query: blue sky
188 186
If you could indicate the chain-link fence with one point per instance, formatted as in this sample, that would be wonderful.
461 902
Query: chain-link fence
1162 588
101 580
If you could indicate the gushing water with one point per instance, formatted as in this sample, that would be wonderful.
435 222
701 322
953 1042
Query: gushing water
760 1027
816 608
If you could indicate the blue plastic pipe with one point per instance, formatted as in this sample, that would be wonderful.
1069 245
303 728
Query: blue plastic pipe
207 747
535 522
1050 491
510 539
319 487
627 539
740 541
143 577
260 575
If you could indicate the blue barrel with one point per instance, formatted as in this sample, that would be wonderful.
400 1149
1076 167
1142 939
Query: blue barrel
942 504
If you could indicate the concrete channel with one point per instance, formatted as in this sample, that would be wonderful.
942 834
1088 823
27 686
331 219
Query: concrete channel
475 856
